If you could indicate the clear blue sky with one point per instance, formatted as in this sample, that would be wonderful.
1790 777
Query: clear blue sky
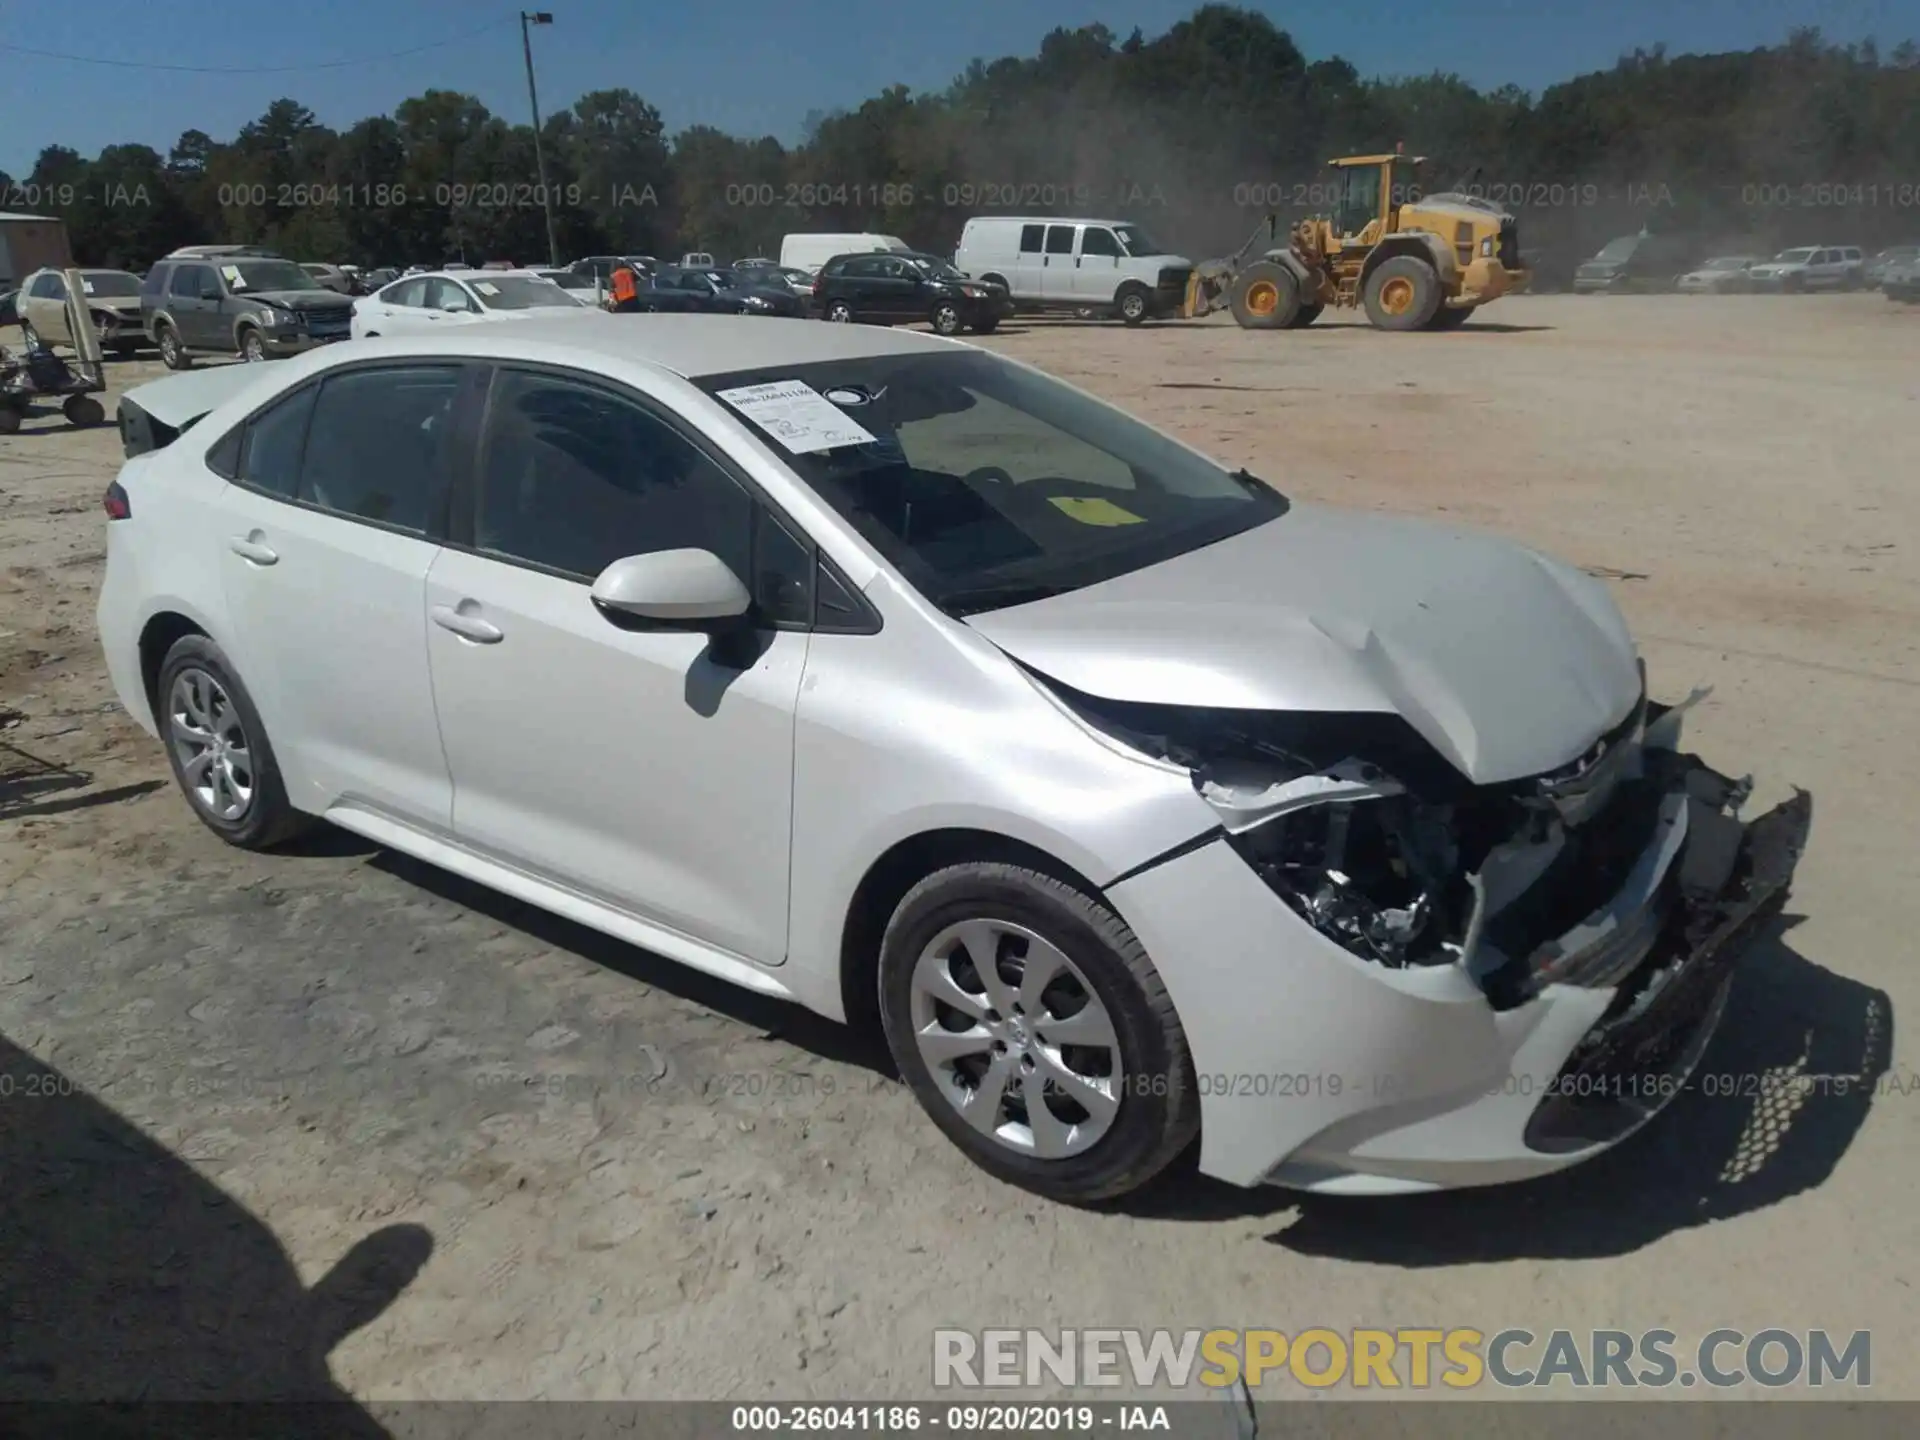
757 66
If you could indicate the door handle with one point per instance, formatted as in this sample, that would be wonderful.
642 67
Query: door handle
468 627
1076 262
252 551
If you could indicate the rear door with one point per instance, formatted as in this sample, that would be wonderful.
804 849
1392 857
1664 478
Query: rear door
397 310
335 513
1056 274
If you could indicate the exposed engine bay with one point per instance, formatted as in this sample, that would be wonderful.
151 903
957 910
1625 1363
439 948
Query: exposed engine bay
1382 846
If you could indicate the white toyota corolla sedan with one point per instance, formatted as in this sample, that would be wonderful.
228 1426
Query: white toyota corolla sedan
888 675
426 304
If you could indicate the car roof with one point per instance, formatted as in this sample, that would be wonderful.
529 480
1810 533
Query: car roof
690 346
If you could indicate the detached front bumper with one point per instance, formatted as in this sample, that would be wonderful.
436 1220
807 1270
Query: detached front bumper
1325 1072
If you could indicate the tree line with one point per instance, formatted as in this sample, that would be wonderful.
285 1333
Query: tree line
1194 134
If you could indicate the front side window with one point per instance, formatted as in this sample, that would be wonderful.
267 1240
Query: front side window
1138 242
377 443
193 281
574 477
988 484
1098 240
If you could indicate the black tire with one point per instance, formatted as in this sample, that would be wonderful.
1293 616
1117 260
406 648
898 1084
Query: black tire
945 319
1305 316
83 410
1402 294
1134 305
252 346
1000 280
1159 1108
29 337
173 353
268 818
839 312
1266 296
9 420
1449 319
985 327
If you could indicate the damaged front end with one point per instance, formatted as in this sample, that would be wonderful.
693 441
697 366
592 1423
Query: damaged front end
1628 867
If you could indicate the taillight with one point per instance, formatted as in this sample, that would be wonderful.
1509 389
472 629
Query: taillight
115 502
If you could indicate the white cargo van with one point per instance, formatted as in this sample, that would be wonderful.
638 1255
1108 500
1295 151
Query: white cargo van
1050 263
810 252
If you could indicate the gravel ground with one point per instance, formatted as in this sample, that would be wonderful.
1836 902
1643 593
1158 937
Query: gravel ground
330 1122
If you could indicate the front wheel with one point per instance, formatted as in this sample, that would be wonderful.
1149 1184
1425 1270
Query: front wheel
83 410
1133 306
253 347
218 748
1035 1032
1266 296
173 354
946 319
30 337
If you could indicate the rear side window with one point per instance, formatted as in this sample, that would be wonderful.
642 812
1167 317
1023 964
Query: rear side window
1031 237
377 444
186 281
1060 239
275 439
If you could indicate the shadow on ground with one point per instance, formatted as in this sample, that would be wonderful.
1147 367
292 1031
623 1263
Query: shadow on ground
126 1276
1783 1089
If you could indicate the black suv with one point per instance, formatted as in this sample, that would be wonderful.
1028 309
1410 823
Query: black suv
903 286
255 306
718 292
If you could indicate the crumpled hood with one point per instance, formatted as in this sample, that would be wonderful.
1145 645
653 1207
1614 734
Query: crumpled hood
1510 664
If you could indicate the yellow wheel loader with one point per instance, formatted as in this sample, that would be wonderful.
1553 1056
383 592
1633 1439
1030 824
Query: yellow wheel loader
1413 261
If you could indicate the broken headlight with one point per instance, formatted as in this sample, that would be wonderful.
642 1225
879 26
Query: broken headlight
1378 876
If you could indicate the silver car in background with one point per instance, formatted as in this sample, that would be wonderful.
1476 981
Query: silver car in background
1134 801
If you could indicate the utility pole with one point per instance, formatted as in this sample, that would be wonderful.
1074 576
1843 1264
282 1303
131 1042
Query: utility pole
530 18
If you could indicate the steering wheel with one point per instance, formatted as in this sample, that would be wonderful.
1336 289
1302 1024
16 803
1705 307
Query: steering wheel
989 475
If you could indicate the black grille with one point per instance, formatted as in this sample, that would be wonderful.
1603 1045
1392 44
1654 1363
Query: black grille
1510 244
1174 278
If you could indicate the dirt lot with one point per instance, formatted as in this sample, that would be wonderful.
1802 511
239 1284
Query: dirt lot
266 1119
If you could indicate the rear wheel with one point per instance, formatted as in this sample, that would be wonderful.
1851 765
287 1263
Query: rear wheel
1133 305
83 410
1402 294
1266 297
218 748
839 312
9 420
1035 1031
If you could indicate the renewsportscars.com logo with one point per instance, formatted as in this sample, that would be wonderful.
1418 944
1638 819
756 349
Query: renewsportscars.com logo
1415 1359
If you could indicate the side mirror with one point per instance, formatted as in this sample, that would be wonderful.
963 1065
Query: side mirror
672 590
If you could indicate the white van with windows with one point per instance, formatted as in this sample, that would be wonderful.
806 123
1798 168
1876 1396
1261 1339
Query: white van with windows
1048 263
810 252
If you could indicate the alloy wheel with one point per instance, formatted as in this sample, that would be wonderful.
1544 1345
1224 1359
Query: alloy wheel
210 744
1016 1038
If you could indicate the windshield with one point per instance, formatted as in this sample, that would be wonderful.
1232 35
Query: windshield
521 292
1137 241
989 485
111 284
1619 249
939 269
257 275
1728 262
1794 257
568 279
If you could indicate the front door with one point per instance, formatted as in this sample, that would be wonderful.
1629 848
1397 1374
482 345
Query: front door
1096 274
330 529
638 767
193 298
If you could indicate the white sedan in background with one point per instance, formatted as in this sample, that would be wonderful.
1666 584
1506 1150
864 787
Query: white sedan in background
438 300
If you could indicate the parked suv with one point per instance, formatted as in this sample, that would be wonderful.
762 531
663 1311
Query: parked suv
901 288
254 306
1110 266
1811 267
1875 273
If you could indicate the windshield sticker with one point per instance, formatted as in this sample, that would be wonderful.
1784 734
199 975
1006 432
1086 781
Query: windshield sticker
232 272
86 284
1090 510
797 415
485 289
